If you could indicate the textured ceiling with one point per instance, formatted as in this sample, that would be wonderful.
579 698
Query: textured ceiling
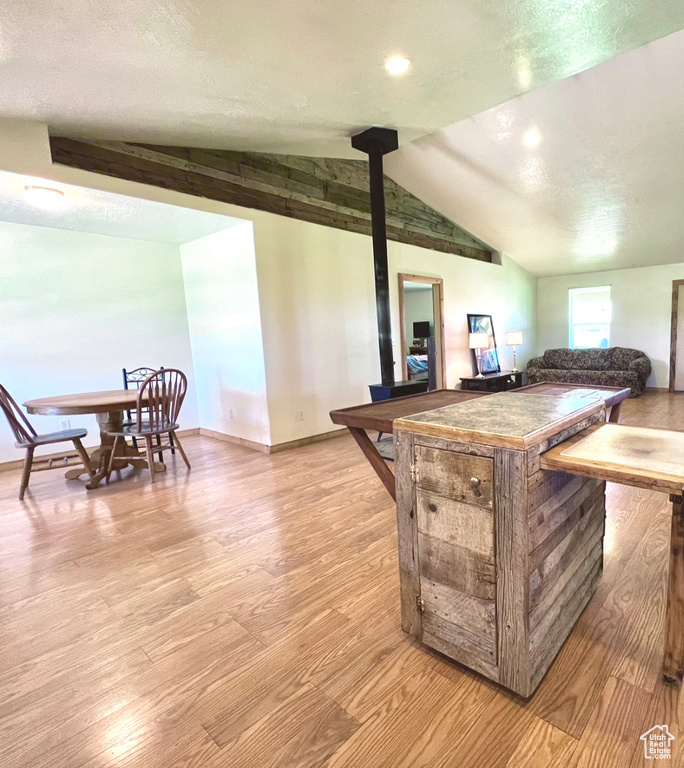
604 189
104 213
293 76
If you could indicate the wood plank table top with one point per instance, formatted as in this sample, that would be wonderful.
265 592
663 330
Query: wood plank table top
507 419
612 396
380 416
86 402
637 456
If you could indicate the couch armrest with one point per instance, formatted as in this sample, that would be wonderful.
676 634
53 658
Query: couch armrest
535 362
642 367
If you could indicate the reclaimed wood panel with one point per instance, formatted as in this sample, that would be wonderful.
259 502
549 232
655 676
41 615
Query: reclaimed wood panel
457 567
453 474
327 191
407 528
458 643
567 515
546 574
554 512
468 526
474 614
512 553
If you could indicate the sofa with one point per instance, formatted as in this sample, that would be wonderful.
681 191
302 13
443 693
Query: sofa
613 367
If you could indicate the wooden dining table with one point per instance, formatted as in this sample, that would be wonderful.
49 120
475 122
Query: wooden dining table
109 408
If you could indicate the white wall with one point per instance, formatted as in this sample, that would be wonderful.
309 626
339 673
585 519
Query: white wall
317 298
225 333
316 291
418 306
642 303
505 291
75 308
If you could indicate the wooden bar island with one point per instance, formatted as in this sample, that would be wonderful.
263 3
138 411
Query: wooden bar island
497 557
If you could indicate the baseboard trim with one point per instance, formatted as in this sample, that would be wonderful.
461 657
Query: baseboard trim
308 440
226 438
9 466
263 448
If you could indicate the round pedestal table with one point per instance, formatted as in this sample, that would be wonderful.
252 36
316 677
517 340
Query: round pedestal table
109 409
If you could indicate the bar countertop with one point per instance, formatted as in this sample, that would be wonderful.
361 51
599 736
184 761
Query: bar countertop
508 420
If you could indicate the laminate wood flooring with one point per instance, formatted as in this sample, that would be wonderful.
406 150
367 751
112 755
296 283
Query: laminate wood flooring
246 614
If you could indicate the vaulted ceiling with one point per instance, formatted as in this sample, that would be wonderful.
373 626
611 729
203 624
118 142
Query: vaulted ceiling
294 76
604 187
601 189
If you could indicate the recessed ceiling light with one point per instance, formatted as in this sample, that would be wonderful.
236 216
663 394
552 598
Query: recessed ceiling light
610 244
397 65
532 138
47 198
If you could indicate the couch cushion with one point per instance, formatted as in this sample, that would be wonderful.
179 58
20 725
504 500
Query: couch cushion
559 359
621 357
577 359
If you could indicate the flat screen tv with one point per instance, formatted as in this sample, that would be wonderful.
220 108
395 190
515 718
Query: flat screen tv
421 330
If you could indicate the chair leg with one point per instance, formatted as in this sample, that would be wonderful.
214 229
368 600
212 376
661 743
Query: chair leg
172 444
110 463
78 445
180 449
150 455
28 461
161 453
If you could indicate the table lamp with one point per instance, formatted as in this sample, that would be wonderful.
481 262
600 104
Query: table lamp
478 341
514 339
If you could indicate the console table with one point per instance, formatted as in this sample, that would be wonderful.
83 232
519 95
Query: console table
493 382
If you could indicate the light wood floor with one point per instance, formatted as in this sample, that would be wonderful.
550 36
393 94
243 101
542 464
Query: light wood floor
246 615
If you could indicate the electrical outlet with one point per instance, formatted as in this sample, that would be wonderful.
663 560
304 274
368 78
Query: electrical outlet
65 424
230 413
299 416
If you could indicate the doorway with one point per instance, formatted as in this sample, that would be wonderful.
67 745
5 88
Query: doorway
677 338
421 319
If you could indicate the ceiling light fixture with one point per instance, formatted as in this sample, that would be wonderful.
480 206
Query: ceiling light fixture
397 65
532 138
47 198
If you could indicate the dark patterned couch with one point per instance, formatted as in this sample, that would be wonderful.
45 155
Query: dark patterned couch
614 367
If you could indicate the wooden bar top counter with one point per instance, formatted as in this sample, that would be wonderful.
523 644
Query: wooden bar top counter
497 556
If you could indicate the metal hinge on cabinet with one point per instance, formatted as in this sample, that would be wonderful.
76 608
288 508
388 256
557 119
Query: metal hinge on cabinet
420 604
414 473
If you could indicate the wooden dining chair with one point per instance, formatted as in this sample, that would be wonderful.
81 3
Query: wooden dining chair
26 437
160 397
133 379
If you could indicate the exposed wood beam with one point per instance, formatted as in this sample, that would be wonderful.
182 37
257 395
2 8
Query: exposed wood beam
324 191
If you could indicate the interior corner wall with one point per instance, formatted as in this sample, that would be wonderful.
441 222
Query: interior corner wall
77 308
317 297
225 333
642 305
506 292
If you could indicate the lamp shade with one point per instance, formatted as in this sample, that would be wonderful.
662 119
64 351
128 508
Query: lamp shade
514 338
478 340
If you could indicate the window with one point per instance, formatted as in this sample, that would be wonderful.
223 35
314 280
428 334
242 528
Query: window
590 311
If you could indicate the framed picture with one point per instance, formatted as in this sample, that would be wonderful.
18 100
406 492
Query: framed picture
490 357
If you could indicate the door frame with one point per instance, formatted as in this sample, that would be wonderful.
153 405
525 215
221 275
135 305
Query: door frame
439 282
673 333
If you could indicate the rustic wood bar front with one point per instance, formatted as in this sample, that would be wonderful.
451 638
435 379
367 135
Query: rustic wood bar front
498 557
